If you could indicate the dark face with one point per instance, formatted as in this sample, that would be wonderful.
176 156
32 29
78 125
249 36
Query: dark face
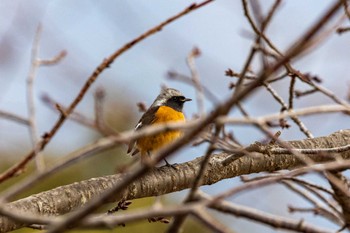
177 102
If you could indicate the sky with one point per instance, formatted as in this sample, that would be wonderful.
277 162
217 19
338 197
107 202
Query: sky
92 30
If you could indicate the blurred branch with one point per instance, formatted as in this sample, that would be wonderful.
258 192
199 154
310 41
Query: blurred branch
221 109
75 116
35 65
274 221
96 124
197 182
341 30
318 191
14 117
33 129
90 149
330 214
322 109
173 75
78 155
339 183
99 98
195 52
346 8
238 95
324 155
166 179
103 66
209 221
296 120
109 221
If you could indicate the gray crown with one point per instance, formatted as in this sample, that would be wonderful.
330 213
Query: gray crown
164 95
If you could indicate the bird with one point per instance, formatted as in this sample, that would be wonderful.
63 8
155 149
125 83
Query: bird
166 108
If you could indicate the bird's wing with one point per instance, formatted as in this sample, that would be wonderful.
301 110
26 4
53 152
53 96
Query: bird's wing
147 119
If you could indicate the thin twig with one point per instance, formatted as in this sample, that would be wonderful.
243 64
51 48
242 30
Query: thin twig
33 129
14 117
333 216
341 30
179 220
35 65
268 219
316 190
322 109
143 169
330 94
341 187
172 75
296 120
346 8
222 109
75 116
291 93
209 221
195 52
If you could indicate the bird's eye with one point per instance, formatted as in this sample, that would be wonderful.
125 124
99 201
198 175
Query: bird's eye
182 98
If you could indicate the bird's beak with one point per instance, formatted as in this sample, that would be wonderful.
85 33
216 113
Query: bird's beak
187 99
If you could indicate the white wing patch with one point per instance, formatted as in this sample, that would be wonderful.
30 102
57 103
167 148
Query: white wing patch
138 125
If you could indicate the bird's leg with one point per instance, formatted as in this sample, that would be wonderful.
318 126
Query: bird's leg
146 158
169 165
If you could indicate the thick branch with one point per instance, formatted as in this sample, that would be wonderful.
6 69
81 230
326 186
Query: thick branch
165 180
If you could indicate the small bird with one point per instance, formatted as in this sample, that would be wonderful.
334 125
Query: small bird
167 107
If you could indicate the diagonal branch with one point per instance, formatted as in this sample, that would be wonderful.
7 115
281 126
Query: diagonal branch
93 77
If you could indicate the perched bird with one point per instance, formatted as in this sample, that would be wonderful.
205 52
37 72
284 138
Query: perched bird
167 107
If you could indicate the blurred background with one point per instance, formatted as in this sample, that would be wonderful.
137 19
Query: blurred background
92 30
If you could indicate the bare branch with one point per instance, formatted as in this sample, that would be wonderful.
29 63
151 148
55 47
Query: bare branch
14 117
165 180
195 52
104 65
35 64
277 222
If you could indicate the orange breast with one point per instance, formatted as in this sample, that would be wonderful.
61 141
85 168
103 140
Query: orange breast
152 143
